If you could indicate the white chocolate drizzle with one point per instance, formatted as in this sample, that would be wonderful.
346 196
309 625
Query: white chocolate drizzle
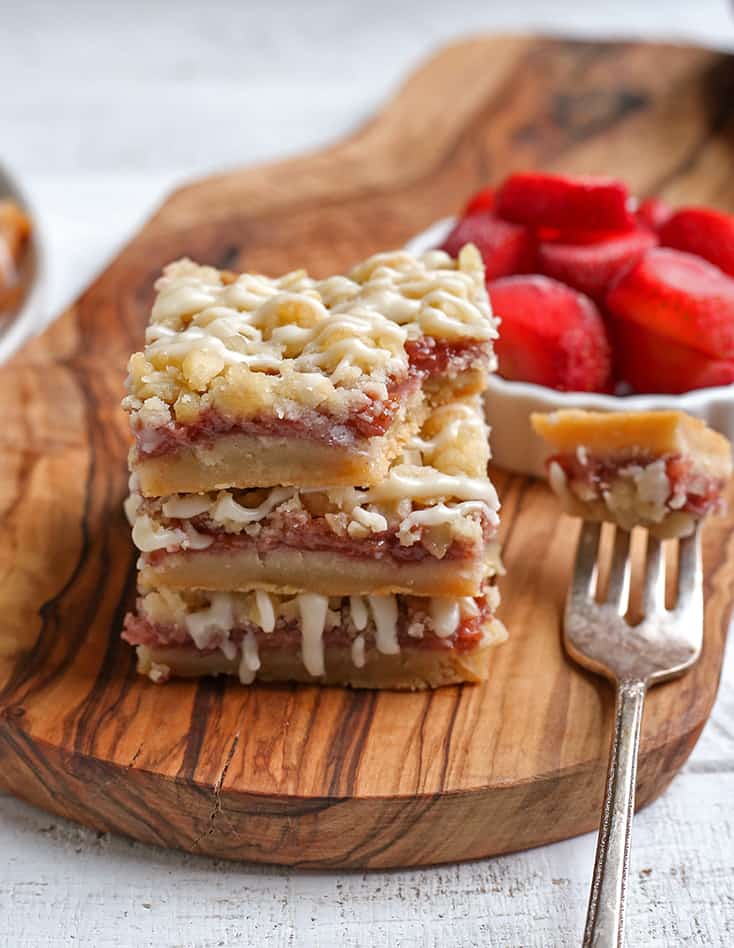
320 343
265 611
385 613
358 612
313 610
446 615
213 623
358 657
249 659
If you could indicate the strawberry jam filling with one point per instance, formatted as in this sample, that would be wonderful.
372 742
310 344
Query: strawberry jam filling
413 632
300 531
428 357
689 489
431 356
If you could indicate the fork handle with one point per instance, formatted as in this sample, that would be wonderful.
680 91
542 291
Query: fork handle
605 917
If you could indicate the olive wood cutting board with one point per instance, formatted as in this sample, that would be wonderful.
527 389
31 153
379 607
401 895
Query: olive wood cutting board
329 777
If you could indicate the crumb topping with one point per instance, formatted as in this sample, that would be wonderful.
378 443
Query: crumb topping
256 345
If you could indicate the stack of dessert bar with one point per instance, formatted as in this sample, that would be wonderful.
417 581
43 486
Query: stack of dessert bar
309 489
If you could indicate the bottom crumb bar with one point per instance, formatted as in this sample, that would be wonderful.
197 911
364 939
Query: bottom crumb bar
401 642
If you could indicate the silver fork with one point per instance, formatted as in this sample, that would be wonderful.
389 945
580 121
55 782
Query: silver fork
633 657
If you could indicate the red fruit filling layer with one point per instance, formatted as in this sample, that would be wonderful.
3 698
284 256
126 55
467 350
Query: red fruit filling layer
700 494
287 633
299 531
427 357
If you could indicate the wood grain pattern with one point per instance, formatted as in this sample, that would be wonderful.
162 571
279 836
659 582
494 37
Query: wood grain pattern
323 777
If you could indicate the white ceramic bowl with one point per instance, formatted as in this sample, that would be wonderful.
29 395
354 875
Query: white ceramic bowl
508 405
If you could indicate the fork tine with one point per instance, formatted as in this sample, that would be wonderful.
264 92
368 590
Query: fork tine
584 573
653 594
690 582
619 572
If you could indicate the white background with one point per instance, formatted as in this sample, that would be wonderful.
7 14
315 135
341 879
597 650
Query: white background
103 108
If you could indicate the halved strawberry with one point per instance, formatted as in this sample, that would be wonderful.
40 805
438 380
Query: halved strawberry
653 213
550 335
482 201
593 267
651 362
681 297
576 236
505 248
553 200
703 231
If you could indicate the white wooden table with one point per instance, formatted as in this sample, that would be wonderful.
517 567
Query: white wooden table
102 110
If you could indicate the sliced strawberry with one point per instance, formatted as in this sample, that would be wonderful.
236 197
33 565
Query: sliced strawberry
505 248
482 201
651 362
550 335
681 297
702 231
551 200
653 213
576 236
593 267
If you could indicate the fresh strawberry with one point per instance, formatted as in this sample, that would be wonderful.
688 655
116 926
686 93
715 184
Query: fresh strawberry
681 297
593 267
702 231
576 236
653 213
550 335
551 200
482 201
505 248
654 363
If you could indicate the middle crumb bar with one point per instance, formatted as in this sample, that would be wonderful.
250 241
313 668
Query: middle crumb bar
247 381
427 529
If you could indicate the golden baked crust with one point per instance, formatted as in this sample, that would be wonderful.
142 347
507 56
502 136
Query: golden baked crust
413 669
288 571
626 433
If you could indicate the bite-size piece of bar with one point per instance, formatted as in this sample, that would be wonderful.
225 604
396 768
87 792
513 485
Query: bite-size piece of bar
400 642
663 470
428 528
248 381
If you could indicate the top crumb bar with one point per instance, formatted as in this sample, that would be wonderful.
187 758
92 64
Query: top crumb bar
248 381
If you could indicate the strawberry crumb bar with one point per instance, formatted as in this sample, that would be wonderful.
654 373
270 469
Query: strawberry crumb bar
247 381
427 528
15 232
401 642
662 470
